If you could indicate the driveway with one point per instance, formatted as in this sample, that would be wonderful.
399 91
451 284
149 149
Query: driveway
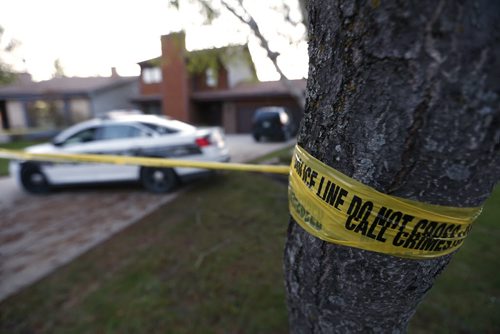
244 148
40 233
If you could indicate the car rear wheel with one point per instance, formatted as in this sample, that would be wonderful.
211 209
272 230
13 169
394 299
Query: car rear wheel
33 180
158 180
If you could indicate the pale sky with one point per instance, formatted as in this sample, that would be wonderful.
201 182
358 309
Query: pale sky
89 37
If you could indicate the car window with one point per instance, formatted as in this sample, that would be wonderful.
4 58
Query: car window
160 129
83 136
120 132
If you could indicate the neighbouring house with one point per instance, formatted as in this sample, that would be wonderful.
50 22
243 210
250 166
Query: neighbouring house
62 101
214 87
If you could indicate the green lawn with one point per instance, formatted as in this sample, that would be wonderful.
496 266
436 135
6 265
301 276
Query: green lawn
211 262
466 297
15 145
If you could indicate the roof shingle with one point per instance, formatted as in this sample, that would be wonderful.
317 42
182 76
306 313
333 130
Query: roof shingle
64 85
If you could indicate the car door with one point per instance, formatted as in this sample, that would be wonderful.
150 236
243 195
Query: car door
103 139
69 172
120 139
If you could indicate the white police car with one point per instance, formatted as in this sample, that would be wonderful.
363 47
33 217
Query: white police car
123 134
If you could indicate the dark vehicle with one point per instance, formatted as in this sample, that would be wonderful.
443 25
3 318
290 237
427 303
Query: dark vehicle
272 123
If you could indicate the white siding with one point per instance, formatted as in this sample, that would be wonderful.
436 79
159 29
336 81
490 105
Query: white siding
79 110
238 71
115 98
15 111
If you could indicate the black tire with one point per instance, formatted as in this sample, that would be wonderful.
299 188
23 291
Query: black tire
256 137
158 180
33 180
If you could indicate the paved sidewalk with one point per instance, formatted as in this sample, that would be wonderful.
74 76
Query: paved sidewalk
40 233
244 148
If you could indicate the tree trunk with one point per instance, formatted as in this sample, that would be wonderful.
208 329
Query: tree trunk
404 97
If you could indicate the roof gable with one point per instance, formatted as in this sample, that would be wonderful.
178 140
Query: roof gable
63 85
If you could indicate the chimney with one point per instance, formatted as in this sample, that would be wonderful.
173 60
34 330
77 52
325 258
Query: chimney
175 77
114 74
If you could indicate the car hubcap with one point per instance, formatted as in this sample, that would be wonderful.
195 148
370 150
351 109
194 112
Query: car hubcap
158 176
36 178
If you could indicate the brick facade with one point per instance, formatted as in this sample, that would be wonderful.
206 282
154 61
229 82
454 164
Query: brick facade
190 98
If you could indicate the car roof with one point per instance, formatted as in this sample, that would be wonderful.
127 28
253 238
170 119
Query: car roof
124 119
269 111
151 119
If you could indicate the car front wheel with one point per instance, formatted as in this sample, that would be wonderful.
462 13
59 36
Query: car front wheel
158 180
33 180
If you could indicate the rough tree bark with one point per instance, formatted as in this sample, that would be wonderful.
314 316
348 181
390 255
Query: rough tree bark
404 97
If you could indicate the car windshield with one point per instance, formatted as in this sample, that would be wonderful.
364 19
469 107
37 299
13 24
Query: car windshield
268 112
83 136
179 125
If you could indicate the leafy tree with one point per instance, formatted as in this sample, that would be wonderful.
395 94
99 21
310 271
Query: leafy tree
6 74
404 97
58 69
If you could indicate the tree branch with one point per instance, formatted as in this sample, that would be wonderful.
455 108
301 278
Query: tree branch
273 56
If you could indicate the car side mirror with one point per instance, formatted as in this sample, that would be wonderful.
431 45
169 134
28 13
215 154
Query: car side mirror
56 142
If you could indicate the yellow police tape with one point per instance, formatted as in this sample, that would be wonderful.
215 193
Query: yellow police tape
331 205
141 161
341 210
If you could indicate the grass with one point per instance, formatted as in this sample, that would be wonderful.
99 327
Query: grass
278 157
466 297
15 145
211 262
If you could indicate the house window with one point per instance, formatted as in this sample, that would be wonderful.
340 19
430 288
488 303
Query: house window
48 113
211 77
151 75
